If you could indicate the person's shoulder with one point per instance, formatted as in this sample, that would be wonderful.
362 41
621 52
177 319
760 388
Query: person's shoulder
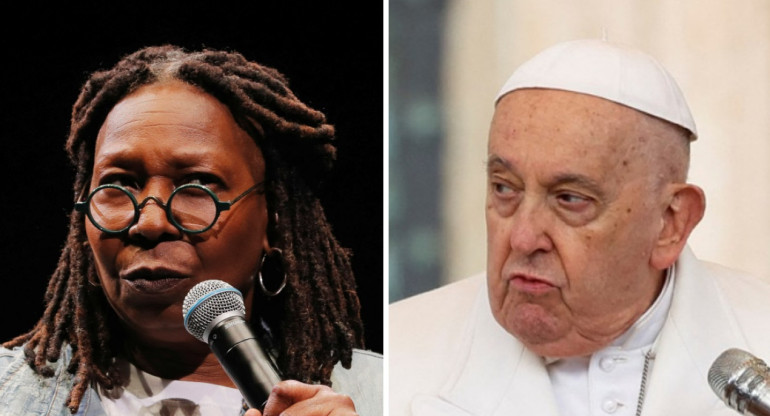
9 357
739 283
14 363
362 381
10 352
23 391
429 324
453 296
434 312
20 386
366 356
744 296
365 363
426 335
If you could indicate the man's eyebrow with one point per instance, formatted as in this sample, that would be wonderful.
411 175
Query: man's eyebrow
579 180
495 160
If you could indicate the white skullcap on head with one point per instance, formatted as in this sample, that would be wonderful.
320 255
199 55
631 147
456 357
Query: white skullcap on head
607 70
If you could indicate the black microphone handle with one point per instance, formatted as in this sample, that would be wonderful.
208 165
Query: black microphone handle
758 408
248 366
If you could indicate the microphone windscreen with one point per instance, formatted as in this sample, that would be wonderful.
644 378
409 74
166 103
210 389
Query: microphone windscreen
741 380
206 302
723 368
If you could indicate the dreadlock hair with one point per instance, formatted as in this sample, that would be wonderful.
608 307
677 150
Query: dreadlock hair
314 323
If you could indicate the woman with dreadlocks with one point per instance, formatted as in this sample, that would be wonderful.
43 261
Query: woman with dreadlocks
193 166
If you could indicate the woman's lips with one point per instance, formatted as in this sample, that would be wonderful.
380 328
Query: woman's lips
154 286
153 281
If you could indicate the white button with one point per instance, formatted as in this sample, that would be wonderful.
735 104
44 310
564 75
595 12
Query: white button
610 406
607 364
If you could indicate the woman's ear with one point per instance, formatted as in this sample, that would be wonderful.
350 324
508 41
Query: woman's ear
266 244
685 207
271 232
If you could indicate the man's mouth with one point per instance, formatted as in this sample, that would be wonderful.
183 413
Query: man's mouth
531 284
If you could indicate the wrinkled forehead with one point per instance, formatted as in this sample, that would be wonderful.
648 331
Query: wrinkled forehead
564 131
551 113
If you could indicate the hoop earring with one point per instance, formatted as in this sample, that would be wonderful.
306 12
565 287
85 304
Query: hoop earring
273 270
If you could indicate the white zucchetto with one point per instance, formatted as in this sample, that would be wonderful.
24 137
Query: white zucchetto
607 70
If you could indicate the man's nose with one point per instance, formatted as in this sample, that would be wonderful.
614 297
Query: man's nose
530 226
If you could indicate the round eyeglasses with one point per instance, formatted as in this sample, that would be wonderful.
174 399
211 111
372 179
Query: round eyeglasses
192 208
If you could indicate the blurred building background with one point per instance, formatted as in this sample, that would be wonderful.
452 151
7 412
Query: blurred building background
449 58
415 146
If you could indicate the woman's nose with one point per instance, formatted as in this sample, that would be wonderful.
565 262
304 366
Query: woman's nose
153 222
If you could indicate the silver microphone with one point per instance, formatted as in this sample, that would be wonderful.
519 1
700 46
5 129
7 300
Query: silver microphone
214 313
742 381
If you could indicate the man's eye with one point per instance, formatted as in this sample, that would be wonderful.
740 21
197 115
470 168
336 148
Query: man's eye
572 200
502 189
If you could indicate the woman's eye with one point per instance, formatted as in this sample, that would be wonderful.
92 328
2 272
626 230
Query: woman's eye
125 181
204 179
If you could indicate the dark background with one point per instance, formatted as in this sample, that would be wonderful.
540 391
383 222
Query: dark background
330 51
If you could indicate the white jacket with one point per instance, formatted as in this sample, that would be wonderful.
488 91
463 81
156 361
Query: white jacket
449 357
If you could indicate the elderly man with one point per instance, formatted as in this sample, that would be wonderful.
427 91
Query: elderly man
592 303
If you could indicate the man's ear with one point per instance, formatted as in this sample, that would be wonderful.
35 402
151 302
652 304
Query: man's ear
685 206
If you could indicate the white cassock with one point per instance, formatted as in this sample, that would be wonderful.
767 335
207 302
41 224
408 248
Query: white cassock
610 381
448 356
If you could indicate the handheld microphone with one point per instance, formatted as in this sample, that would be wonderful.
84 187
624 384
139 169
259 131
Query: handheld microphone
214 313
742 381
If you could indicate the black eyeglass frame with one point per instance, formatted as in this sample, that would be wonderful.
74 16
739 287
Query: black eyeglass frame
84 206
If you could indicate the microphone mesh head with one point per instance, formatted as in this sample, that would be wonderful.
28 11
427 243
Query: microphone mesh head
725 367
206 301
737 377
